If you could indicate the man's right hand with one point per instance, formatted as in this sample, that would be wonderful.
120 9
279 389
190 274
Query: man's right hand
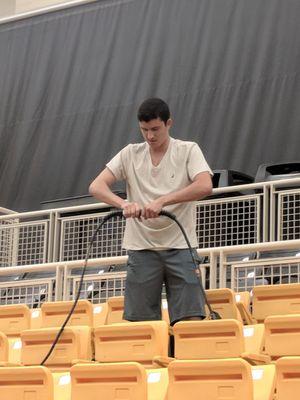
131 210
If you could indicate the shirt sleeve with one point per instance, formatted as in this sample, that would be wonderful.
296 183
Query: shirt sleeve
196 162
117 165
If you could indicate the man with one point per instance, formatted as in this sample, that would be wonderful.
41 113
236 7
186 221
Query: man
160 173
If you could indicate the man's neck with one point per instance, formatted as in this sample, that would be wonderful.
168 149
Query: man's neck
162 149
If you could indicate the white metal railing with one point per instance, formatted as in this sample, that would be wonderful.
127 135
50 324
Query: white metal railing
26 238
61 283
56 235
229 230
278 265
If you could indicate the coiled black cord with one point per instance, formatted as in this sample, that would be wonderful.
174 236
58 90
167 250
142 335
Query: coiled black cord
119 213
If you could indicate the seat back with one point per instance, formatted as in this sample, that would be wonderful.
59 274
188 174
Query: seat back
282 335
131 341
275 300
245 298
196 340
3 347
109 381
115 309
26 383
215 379
254 338
14 319
55 313
223 301
100 314
36 318
288 378
74 343
264 381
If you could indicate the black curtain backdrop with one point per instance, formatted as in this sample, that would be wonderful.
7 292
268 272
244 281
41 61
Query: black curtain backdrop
71 82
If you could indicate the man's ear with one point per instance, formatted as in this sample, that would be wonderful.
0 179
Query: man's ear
169 123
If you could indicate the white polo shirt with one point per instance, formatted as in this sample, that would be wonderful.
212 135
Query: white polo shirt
146 182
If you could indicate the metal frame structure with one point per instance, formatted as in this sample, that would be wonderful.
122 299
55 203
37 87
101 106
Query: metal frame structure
56 240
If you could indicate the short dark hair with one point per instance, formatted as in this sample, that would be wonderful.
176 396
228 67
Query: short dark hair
152 109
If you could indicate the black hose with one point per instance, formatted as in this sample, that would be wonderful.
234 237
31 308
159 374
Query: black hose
119 213
213 314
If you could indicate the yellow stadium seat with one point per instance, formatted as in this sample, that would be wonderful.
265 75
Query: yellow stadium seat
14 319
100 314
36 318
109 381
62 385
115 309
223 301
55 313
245 298
26 383
264 382
157 383
210 380
131 341
219 339
75 343
288 378
282 335
275 300
3 348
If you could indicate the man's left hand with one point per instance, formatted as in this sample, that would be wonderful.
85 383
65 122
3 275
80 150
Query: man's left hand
152 209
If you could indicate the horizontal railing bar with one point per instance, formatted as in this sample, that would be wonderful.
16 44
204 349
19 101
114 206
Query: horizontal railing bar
226 250
99 205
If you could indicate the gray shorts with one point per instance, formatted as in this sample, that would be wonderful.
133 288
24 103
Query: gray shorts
147 271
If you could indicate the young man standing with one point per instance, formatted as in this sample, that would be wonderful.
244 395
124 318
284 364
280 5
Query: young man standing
160 173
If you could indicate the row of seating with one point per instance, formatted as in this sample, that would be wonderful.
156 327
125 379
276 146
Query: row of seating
216 379
232 379
21 332
263 302
219 358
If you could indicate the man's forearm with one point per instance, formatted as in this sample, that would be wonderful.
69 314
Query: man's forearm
190 193
104 194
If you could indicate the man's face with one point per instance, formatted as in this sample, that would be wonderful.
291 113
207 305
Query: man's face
155 132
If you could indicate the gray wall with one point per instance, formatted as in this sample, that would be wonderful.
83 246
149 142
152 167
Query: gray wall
71 82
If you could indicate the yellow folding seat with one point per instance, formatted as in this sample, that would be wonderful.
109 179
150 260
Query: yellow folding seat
61 385
275 300
158 380
288 378
36 318
224 302
264 382
210 379
26 383
282 335
55 313
218 339
13 320
115 309
3 348
131 341
245 298
100 314
75 343
109 381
